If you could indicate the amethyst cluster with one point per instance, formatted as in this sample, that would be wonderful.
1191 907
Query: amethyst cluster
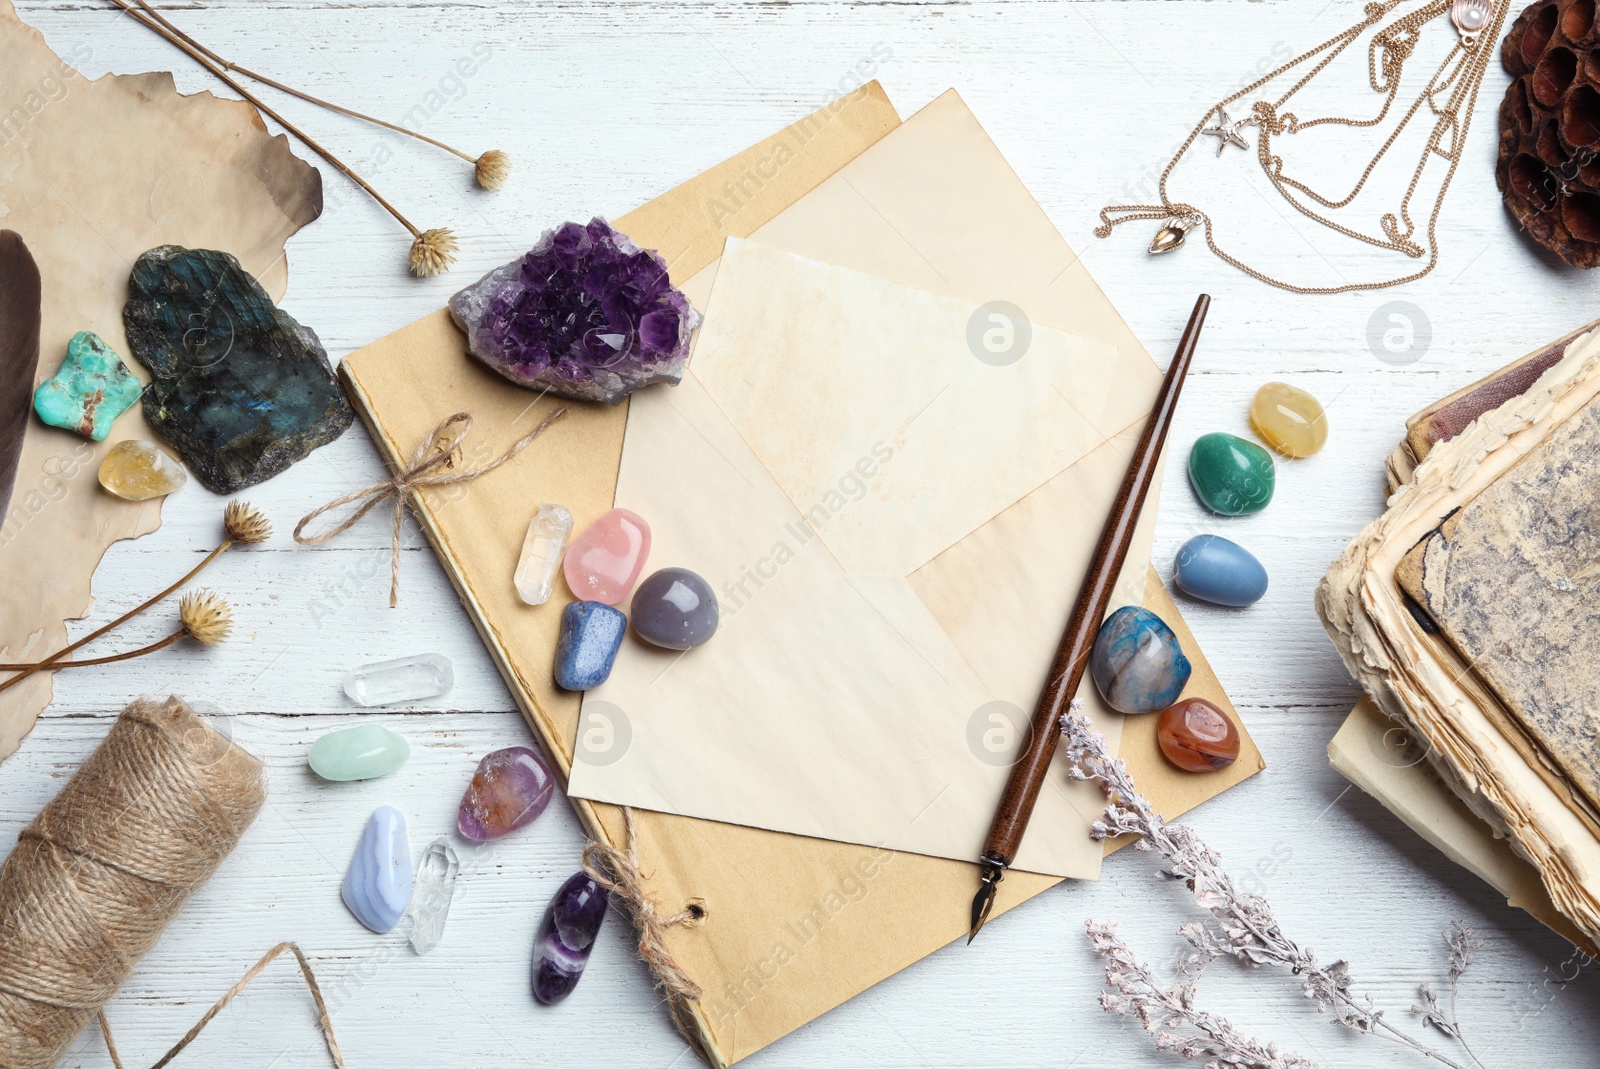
587 314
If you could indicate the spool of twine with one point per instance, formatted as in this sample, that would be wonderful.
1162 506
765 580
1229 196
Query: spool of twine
98 874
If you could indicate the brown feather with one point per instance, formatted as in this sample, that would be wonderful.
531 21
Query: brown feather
20 297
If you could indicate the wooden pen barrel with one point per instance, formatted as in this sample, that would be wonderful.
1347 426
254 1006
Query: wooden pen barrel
1094 599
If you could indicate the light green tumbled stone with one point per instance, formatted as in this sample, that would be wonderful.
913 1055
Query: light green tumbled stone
92 388
364 752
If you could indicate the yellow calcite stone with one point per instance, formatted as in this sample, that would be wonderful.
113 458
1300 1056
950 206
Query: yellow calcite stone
1289 419
137 470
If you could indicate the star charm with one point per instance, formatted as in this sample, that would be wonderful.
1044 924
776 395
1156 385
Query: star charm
1226 130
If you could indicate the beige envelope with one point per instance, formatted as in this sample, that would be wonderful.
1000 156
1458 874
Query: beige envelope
896 527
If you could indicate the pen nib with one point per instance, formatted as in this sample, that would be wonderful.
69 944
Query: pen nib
983 901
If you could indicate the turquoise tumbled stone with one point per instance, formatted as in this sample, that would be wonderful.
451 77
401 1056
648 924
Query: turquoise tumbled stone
1232 477
90 391
1214 569
364 752
1137 662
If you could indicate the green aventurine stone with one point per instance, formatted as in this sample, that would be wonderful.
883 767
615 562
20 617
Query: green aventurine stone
1230 475
237 387
90 391
364 752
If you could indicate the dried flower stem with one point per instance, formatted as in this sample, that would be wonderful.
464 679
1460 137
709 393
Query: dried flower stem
205 618
242 524
229 65
110 659
205 61
1248 931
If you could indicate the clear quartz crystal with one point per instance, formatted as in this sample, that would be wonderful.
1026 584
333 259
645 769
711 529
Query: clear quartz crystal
541 553
430 903
405 679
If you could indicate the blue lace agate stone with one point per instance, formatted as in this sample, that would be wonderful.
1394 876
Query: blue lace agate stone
566 937
1137 662
1214 569
591 635
377 888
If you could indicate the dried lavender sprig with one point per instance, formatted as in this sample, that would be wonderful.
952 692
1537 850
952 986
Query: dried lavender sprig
1248 929
1136 994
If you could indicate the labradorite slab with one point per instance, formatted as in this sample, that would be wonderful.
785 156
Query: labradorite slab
239 389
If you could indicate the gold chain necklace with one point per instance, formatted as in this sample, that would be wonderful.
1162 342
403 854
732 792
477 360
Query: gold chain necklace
1450 94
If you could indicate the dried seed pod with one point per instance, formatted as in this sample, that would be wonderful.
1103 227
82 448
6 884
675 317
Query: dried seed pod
1549 166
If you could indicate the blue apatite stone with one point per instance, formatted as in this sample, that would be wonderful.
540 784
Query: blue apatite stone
377 888
1137 662
237 387
567 936
591 635
1213 569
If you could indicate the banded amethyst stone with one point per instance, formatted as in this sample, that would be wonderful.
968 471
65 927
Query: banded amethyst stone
566 937
586 314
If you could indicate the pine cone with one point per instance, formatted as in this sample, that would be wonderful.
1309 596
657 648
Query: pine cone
1549 169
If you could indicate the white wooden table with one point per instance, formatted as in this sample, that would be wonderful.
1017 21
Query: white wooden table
603 105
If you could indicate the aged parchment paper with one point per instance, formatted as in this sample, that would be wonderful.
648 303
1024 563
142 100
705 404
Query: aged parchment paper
93 174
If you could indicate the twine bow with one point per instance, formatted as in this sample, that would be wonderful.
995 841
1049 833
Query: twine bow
432 455
618 871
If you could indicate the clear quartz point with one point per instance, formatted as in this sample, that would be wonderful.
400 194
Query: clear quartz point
435 886
405 679
541 553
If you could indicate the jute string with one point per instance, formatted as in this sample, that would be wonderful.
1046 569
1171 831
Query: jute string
105 866
618 871
429 467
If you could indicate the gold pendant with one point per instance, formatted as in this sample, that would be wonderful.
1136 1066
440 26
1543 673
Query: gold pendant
1171 236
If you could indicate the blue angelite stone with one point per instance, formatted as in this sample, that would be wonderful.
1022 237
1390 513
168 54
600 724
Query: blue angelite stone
377 888
591 635
566 937
1214 569
675 609
1137 662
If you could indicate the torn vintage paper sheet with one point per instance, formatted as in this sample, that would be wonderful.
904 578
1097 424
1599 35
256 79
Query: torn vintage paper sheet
92 175
835 434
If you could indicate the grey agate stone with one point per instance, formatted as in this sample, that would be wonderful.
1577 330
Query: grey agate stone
675 609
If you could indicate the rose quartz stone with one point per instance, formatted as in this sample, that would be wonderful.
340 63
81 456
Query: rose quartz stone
604 561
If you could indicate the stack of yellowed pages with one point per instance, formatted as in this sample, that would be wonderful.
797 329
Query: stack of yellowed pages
1466 613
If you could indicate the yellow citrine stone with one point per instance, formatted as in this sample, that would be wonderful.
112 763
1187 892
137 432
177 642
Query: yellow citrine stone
1289 419
137 470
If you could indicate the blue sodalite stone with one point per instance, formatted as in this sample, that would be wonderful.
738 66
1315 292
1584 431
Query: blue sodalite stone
591 635
675 609
237 387
377 888
1137 662
1213 569
566 937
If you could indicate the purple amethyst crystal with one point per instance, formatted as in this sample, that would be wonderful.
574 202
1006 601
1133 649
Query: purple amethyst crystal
566 937
587 314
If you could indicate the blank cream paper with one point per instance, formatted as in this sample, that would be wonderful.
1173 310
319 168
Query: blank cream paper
896 528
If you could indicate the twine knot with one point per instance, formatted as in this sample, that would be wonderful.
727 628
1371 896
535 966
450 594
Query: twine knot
618 871
430 464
